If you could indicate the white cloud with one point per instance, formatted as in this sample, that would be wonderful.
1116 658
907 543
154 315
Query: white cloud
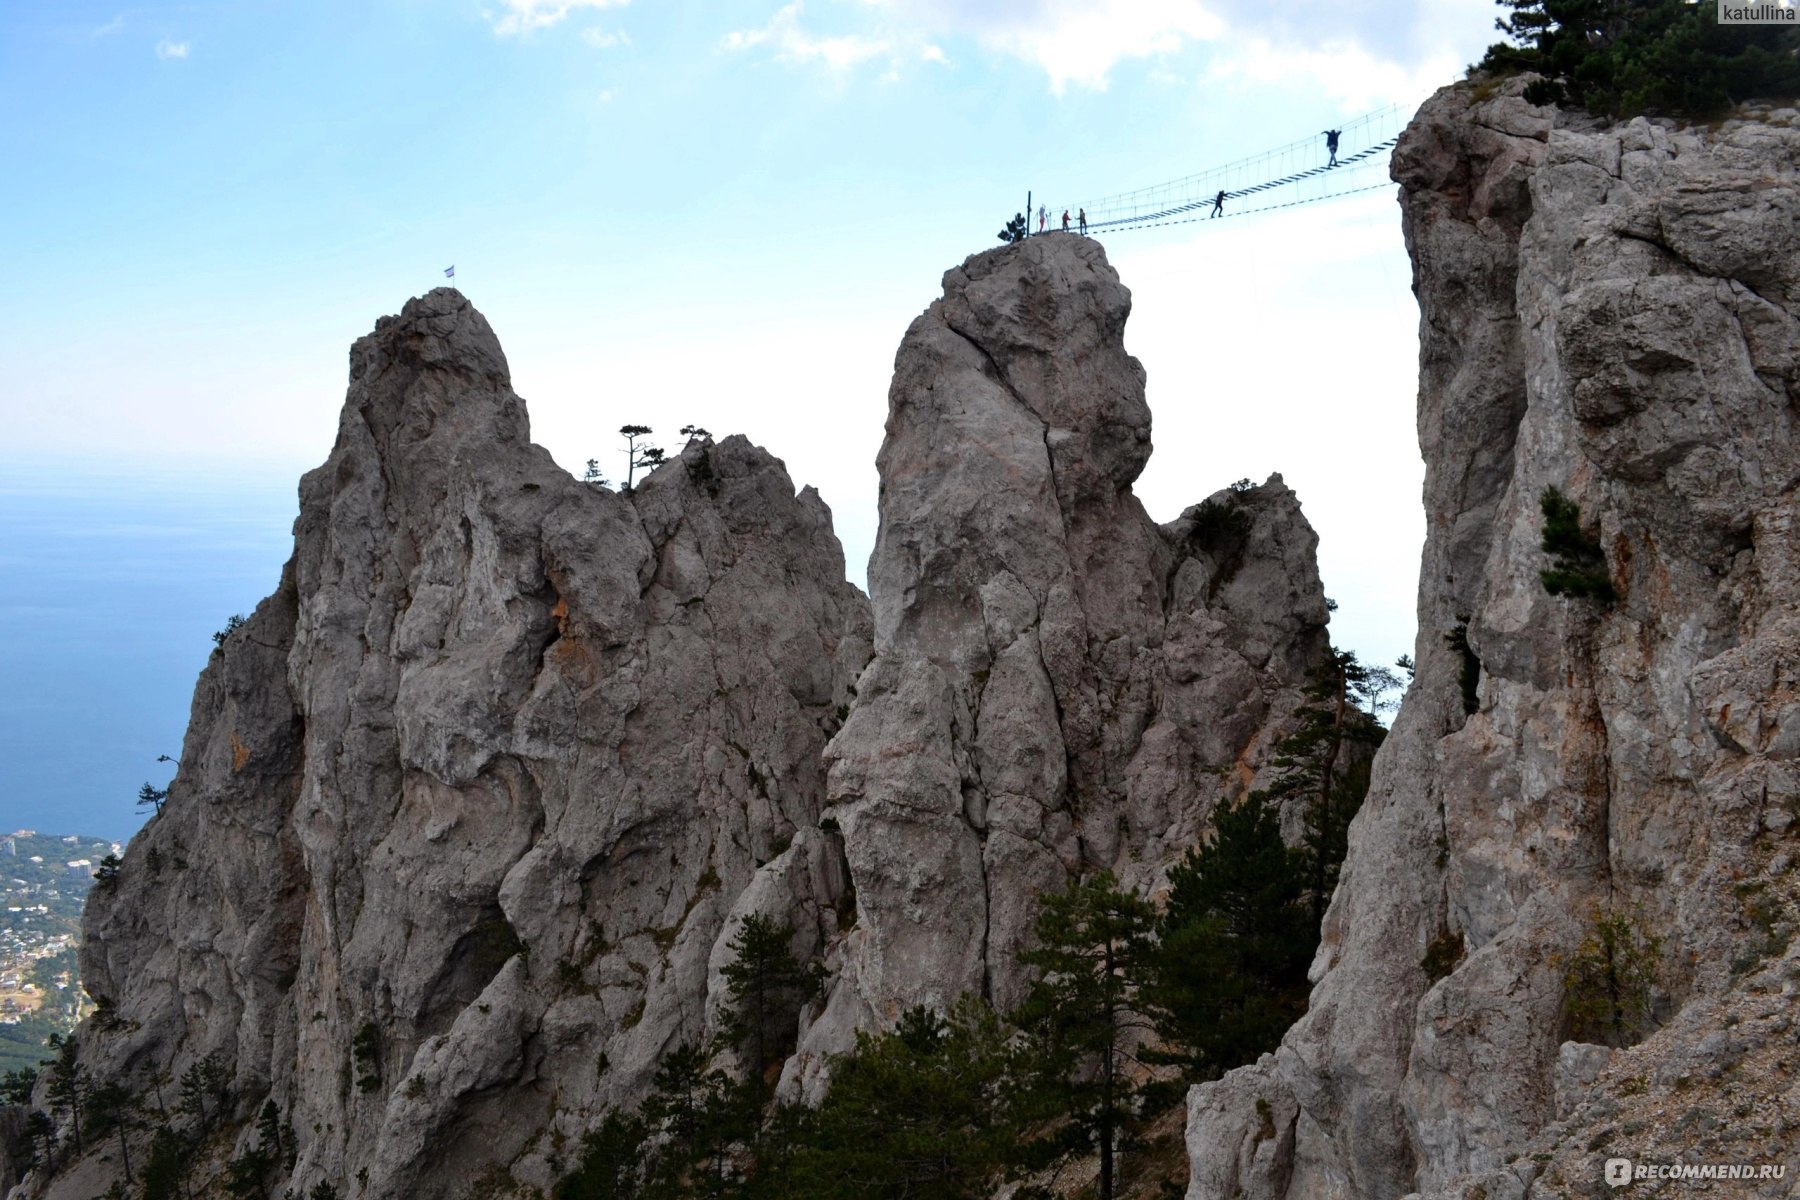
166 49
1072 41
1348 73
523 16
116 25
604 39
1362 50
791 43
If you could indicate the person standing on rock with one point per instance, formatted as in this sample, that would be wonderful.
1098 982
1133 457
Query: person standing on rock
1065 220
1218 205
1331 137
1083 214
1043 218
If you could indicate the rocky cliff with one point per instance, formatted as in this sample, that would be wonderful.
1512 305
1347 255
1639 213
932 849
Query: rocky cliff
1609 310
470 809
1059 684
465 808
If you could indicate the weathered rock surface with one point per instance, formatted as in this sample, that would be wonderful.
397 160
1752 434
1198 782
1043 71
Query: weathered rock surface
468 810
1059 685
1609 310
485 779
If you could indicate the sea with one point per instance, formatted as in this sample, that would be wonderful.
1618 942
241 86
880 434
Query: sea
113 579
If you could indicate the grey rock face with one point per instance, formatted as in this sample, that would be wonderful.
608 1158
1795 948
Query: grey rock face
1610 311
485 778
470 809
1059 684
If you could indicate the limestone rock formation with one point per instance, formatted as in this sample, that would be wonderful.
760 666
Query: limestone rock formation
470 808
1609 310
1059 685
465 807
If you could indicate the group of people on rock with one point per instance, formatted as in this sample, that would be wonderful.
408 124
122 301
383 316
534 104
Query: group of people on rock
1044 219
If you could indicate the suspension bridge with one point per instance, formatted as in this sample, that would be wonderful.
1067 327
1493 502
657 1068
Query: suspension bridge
1304 171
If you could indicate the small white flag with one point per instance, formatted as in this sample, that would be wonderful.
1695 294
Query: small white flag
450 271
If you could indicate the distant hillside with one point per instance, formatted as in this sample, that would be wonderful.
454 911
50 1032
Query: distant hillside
46 878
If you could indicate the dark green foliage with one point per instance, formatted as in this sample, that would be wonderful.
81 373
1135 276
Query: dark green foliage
1015 230
152 797
1469 674
1623 57
611 1166
112 1109
767 985
68 1085
1221 531
592 476
637 456
247 1175
1324 764
107 873
1085 1013
322 1191
204 1092
1237 938
16 1085
40 1135
1609 982
233 623
1578 564
365 1056
704 1116
165 1167
270 1132
920 1111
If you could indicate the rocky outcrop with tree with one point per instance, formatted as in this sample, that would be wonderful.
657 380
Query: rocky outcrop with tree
1575 863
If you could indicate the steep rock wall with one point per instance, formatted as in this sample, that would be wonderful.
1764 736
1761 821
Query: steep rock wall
469 809
486 778
1059 685
1608 310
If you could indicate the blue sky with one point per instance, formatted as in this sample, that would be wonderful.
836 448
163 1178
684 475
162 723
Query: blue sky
721 213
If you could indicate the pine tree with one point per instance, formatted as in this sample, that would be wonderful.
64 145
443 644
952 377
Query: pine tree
612 1163
704 1115
1237 938
68 1086
1324 765
203 1091
767 985
1622 57
111 1109
919 1111
1085 1014
637 456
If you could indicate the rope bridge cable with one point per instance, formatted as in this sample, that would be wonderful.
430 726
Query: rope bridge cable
1245 212
1359 142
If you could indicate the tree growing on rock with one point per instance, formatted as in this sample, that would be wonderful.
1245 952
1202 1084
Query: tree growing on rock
919 1111
767 985
1086 1014
1324 764
1622 57
1237 938
68 1085
638 457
